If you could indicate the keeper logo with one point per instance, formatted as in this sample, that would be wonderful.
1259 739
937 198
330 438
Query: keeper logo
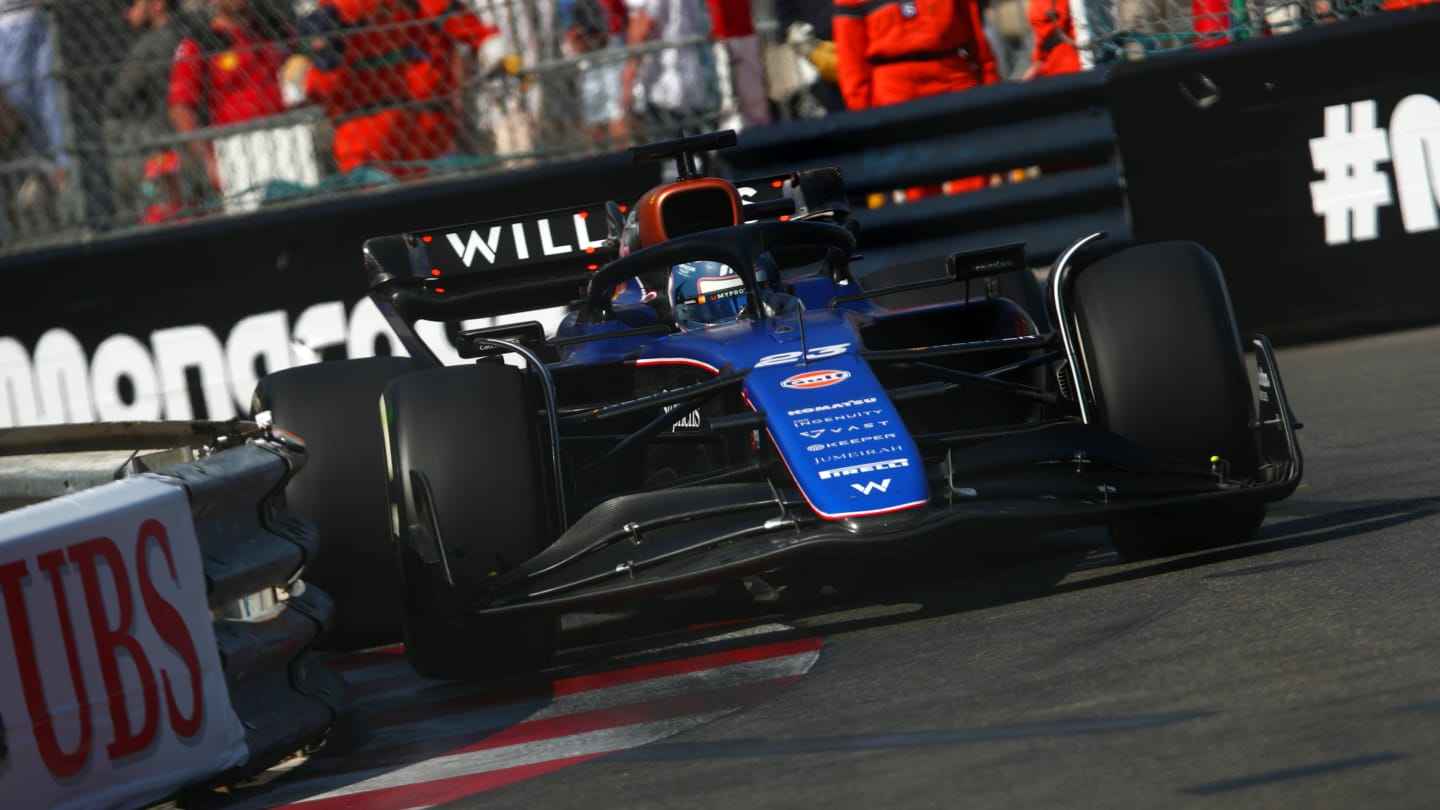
1354 184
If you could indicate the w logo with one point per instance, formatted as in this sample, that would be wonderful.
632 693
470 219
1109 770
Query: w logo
870 486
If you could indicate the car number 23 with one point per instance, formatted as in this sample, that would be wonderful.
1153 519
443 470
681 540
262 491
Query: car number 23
816 353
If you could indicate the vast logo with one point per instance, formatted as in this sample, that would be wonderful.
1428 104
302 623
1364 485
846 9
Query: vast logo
815 379
870 486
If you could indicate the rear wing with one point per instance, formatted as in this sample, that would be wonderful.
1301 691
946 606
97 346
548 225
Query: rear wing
806 194
520 264
493 267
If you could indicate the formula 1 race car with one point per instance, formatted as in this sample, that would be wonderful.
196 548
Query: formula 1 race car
727 397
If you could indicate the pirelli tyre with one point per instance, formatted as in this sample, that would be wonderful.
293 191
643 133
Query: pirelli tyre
1158 338
468 504
335 408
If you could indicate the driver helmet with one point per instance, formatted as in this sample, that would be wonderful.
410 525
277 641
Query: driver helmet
705 293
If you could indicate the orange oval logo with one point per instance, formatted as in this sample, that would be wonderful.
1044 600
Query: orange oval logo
815 379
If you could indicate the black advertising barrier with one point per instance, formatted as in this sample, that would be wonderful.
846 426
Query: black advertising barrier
1215 146
178 323
1305 163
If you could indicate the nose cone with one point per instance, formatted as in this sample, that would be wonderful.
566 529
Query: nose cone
840 436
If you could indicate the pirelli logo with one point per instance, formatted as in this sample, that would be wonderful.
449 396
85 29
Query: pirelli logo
841 472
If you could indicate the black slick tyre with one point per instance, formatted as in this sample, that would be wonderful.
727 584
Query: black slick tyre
466 474
1158 338
335 408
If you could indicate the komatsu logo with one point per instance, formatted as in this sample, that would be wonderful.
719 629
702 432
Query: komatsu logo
849 403
841 472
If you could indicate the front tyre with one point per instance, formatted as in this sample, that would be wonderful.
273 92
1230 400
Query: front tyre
467 505
1158 338
334 408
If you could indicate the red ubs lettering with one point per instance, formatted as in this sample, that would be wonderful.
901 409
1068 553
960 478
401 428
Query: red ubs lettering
94 559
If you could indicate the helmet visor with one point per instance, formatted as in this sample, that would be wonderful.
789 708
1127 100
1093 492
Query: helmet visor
708 293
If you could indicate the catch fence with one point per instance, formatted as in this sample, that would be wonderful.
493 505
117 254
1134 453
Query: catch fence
89 145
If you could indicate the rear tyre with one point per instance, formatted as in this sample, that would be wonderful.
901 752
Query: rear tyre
1157 334
470 430
335 408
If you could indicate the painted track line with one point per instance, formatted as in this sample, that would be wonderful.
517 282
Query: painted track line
424 742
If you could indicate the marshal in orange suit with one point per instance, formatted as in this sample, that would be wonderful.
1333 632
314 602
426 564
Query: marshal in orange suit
896 50
890 51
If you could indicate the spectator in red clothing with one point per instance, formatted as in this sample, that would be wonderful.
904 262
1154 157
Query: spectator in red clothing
893 52
1054 30
1212 22
389 74
226 71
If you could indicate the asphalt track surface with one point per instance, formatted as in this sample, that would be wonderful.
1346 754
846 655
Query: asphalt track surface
1300 670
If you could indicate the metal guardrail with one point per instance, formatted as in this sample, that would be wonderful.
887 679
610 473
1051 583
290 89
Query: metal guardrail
1052 143
253 551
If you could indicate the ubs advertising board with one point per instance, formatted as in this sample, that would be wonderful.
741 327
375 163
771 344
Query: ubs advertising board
180 324
1308 162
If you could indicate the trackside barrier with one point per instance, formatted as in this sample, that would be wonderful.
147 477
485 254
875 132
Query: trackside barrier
154 631
1059 126
1305 163
1213 146
175 324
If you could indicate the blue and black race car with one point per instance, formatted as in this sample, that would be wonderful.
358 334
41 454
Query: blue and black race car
726 396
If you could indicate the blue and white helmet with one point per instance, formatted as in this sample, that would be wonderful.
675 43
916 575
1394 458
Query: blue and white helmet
705 293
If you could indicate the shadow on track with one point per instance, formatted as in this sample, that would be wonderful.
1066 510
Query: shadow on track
1004 571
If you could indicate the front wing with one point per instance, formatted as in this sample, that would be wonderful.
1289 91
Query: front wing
1059 475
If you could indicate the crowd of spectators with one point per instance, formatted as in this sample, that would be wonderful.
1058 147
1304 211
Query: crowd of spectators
32 137
393 83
